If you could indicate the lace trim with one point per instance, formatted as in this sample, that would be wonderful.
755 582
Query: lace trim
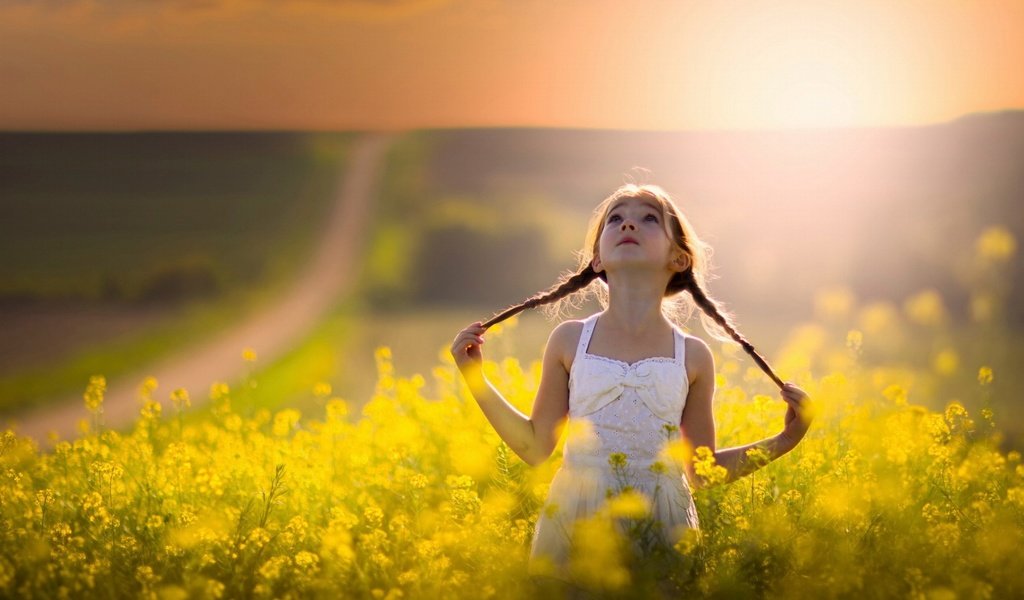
582 347
665 359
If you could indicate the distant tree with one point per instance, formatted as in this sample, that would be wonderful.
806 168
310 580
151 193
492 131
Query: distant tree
459 264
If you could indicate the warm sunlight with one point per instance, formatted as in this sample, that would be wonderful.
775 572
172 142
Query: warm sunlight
799 68
664 65
809 91
298 299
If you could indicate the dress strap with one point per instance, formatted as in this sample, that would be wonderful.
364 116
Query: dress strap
680 353
588 331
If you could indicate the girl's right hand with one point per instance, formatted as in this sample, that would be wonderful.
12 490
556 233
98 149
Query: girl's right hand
466 347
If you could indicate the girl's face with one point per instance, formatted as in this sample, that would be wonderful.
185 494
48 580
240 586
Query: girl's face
634 235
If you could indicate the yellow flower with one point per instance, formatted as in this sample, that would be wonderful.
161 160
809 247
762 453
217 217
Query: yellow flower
146 387
854 340
658 467
580 434
145 575
985 375
946 362
151 410
233 423
337 545
285 420
408 578
463 482
996 244
926 308
306 560
180 399
248 355
944 535
757 456
896 394
44 497
1015 496
374 516
322 389
834 302
219 390
705 468
337 409
259 537
877 318
597 558
678 452
94 393
956 413
630 504
271 570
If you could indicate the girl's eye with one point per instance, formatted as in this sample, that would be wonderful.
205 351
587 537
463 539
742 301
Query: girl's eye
652 218
613 217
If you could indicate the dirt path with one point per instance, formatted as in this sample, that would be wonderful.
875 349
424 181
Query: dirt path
270 333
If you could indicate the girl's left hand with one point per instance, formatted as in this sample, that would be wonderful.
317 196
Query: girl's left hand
798 414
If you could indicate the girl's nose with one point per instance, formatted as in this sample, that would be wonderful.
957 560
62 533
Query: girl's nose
628 224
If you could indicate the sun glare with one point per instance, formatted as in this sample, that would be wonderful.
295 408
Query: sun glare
796 69
811 95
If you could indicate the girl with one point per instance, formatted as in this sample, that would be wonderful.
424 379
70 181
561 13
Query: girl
630 373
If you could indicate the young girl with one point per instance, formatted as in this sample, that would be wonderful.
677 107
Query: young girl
630 372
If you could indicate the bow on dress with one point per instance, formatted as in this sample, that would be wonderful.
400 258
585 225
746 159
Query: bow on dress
660 385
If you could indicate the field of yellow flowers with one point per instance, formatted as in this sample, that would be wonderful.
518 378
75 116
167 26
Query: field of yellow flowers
413 495
417 497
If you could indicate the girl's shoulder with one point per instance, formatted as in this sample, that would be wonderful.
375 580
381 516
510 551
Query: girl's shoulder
566 335
564 339
698 358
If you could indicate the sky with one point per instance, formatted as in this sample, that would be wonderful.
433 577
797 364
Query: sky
399 64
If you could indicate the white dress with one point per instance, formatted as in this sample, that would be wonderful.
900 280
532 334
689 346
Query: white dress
627 407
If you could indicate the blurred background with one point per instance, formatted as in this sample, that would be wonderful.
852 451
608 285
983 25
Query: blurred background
264 193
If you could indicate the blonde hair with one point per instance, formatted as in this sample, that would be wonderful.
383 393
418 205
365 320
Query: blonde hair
574 287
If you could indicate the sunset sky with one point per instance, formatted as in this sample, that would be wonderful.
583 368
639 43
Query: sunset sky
362 64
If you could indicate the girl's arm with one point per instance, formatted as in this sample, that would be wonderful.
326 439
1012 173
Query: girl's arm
698 425
532 438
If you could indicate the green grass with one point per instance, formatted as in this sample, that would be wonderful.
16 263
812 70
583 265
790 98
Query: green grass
87 208
182 327
289 380
271 219
340 352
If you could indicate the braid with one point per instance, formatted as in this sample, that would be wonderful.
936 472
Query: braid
711 309
574 283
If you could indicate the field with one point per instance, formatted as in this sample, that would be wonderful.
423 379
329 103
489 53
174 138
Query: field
409 493
282 486
358 464
126 247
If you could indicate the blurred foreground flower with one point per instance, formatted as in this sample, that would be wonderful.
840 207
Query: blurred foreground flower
996 244
94 393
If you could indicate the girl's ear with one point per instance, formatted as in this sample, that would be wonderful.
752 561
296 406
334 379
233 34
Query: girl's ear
595 263
681 262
